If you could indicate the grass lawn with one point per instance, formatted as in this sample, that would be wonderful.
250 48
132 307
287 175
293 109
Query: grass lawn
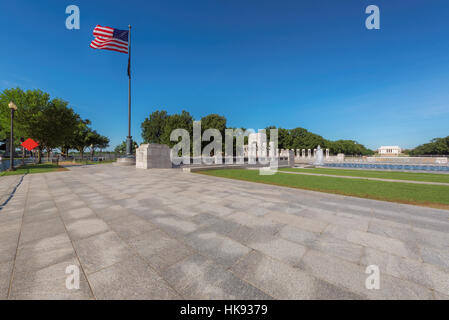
418 176
34 168
424 195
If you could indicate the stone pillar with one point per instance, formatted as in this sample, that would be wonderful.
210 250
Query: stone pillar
341 157
291 158
303 153
309 153
272 151
252 152
153 156
298 153
327 153
314 153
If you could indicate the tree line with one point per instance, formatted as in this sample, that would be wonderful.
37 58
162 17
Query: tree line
50 122
158 126
437 146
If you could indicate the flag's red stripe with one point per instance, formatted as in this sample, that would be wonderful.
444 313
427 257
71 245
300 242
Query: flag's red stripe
103 34
102 39
112 49
122 51
100 44
109 47
107 29
108 44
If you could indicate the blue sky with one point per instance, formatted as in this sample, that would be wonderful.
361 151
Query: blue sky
310 63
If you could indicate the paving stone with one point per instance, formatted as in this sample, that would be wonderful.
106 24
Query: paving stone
70 204
34 231
298 235
5 276
40 205
295 221
200 278
101 251
439 278
39 216
408 269
218 247
389 245
159 250
130 226
331 217
85 228
337 247
169 256
375 257
57 241
72 215
278 248
431 238
214 209
30 258
436 257
440 296
285 282
174 225
353 277
130 279
34 277
52 290
112 212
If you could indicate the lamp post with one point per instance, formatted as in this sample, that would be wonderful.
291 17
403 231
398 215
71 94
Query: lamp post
13 108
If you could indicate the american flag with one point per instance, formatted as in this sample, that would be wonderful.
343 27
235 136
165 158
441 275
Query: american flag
110 39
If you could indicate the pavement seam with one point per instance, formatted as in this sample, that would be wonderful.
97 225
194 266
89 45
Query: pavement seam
71 242
18 242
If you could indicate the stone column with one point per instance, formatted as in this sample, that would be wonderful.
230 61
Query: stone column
327 153
291 157
252 152
271 151
303 153
309 153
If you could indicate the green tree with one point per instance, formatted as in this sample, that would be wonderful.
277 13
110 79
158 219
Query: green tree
97 141
177 121
349 147
437 146
30 105
213 121
56 124
121 148
153 127
81 136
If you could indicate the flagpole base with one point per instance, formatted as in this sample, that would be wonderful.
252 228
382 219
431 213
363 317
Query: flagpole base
126 161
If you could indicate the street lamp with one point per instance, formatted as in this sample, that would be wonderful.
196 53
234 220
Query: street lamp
13 108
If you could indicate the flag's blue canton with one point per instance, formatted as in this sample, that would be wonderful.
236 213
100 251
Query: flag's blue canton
121 34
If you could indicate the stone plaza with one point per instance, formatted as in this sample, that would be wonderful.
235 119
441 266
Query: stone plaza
168 234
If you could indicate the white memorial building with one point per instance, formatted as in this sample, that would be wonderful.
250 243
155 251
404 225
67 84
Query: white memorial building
389 151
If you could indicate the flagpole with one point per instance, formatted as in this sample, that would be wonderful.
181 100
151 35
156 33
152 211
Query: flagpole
129 141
